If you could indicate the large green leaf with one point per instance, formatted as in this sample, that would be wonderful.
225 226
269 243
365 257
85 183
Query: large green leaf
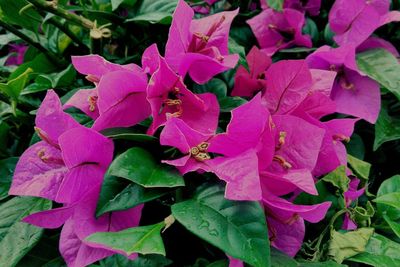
393 225
17 238
141 239
7 167
387 128
154 11
348 244
29 18
275 4
360 167
237 227
57 79
382 66
116 195
215 86
338 178
228 103
379 252
128 134
116 3
390 199
388 186
14 86
151 260
139 166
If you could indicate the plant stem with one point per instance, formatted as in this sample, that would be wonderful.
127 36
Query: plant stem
53 57
62 27
51 6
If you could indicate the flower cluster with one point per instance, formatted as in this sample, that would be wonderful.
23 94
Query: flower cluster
275 146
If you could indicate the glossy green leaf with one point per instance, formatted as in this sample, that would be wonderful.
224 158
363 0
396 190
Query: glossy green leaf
154 11
151 260
14 86
139 166
29 18
379 252
338 178
359 167
17 238
383 67
280 259
235 48
116 195
348 244
116 3
7 167
320 264
222 223
311 29
215 86
390 199
141 239
58 79
387 128
393 225
228 103
128 134
388 186
275 4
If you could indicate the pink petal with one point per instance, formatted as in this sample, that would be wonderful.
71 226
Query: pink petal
82 100
51 219
36 176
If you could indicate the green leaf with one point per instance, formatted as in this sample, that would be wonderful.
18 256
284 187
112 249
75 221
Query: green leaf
151 260
311 29
215 86
338 178
7 167
228 103
14 86
4 137
57 79
391 199
116 3
359 167
280 259
379 252
393 225
235 48
321 264
116 195
388 186
29 18
17 238
128 134
142 239
154 11
8 38
387 128
237 227
275 4
348 244
139 166
380 65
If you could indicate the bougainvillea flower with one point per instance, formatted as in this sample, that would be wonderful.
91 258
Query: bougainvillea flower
353 21
17 53
95 67
199 47
278 30
237 145
204 9
333 151
352 194
169 97
121 100
286 221
376 42
248 83
285 92
354 93
41 168
79 222
297 145
151 59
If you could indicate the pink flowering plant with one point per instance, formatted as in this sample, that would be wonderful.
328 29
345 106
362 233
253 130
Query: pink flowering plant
199 133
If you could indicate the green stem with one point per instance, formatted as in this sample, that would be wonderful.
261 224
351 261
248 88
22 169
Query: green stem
62 27
51 6
53 57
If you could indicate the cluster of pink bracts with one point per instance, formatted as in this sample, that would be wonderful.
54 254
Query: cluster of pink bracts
274 145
